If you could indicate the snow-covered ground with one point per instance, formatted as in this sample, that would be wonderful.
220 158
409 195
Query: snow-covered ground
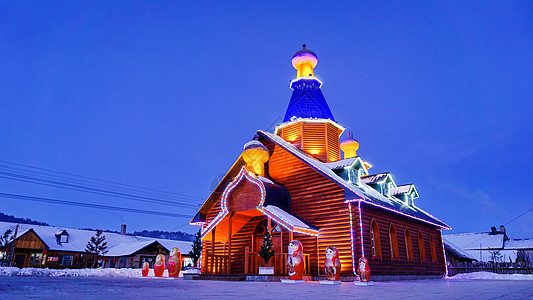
491 276
38 272
24 287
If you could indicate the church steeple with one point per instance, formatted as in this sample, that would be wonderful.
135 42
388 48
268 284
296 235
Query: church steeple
307 100
308 122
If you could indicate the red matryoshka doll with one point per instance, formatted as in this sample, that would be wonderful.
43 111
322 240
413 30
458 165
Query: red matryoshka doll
146 269
159 266
363 269
174 263
295 260
332 265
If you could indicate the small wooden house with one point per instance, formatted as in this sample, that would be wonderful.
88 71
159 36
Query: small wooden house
293 183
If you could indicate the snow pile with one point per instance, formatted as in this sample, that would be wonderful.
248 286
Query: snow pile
12 271
491 276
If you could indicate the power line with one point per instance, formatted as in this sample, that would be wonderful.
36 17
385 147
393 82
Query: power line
96 179
75 187
91 205
41 175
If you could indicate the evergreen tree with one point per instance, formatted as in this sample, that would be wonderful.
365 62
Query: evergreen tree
97 245
5 241
196 248
266 251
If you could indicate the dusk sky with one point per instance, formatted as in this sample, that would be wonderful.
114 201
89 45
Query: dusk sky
163 95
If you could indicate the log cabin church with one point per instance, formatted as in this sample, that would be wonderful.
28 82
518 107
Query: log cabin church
300 182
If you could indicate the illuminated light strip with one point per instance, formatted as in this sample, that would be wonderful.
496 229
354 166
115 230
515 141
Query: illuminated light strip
305 77
224 200
444 253
361 229
280 126
352 188
286 224
199 223
351 237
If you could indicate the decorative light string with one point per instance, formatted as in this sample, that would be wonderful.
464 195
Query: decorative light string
444 253
351 237
361 228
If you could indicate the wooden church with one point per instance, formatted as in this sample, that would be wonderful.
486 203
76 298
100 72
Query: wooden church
296 184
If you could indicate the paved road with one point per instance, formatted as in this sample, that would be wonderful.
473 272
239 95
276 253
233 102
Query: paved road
141 288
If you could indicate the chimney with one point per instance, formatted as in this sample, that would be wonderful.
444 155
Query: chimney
502 229
123 229
493 230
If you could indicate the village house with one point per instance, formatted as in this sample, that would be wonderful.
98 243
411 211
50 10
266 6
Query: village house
58 247
300 182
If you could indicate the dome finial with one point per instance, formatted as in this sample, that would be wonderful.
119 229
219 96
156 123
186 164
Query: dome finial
304 61
349 146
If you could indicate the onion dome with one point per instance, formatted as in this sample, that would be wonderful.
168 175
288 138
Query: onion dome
304 61
255 156
349 146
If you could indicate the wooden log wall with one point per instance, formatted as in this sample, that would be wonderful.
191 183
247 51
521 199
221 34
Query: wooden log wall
403 266
316 200
334 150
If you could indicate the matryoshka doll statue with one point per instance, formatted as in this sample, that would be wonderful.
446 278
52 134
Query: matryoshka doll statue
146 269
363 270
159 266
295 260
332 265
174 263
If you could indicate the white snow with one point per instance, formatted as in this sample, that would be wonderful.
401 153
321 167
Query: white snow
118 244
490 276
38 272
287 216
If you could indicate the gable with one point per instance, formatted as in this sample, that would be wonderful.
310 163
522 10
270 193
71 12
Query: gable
30 240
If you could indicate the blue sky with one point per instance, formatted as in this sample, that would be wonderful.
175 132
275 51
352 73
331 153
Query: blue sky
164 94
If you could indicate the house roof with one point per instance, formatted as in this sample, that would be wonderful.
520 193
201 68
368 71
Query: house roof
404 189
307 101
363 192
375 178
117 244
519 244
457 251
476 241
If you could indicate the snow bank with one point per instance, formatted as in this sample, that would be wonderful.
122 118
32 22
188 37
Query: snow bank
491 276
12 271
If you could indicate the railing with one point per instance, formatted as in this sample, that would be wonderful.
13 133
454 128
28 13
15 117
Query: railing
216 263
252 262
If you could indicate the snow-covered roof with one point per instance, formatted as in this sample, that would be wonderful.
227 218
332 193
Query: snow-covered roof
339 164
458 251
401 189
476 241
374 178
364 192
117 244
295 221
519 244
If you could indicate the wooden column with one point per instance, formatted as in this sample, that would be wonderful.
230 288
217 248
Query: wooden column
229 242
291 236
213 249
269 225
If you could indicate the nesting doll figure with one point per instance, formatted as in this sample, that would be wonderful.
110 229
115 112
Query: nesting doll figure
146 269
159 266
174 263
295 260
363 269
332 265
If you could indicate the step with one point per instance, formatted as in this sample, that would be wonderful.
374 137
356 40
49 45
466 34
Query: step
220 277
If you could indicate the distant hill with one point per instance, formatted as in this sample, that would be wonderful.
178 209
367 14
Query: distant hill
169 235
13 219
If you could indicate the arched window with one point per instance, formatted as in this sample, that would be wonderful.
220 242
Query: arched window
393 238
375 240
421 247
432 248
409 245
